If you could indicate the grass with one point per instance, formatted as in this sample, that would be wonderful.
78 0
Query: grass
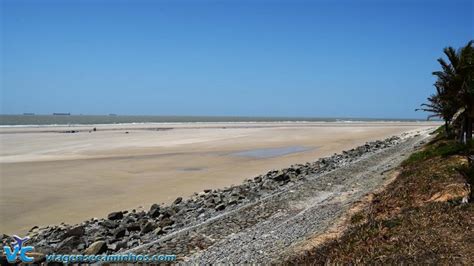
357 218
468 172
417 219
439 147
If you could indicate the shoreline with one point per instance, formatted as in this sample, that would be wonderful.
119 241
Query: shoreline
65 174
81 128
163 220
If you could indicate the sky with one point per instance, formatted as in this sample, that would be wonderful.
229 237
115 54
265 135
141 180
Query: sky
227 58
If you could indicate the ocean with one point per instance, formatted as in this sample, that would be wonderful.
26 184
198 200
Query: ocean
16 120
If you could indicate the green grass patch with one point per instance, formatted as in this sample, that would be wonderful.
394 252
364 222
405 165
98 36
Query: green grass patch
450 148
442 148
417 157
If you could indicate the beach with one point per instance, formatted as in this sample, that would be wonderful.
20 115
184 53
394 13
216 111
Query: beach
54 174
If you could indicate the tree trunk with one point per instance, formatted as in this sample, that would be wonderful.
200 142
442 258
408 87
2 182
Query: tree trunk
468 128
469 115
462 130
446 128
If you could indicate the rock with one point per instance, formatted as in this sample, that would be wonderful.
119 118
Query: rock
148 227
133 227
178 200
154 207
158 231
133 243
281 177
140 215
98 238
166 229
166 214
115 216
129 219
217 200
268 184
112 247
166 222
210 203
75 231
4 236
96 248
109 224
233 200
120 245
220 207
121 228
154 213
119 232
34 228
68 245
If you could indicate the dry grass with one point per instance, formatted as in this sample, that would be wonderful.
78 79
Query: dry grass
417 219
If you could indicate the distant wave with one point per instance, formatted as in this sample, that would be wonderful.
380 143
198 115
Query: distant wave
79 120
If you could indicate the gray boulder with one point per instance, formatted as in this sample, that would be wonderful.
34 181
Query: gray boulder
133 227
68 244
220 207
178 200
75 231
119 232
166 222
148 227
95 248
115 215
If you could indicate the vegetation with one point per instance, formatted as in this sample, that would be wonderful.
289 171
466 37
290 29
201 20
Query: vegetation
454 97
440 148
425 215
421 217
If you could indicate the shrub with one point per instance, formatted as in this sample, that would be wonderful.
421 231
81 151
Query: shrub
441 148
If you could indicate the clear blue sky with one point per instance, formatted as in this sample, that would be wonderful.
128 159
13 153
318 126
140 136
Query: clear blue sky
249 58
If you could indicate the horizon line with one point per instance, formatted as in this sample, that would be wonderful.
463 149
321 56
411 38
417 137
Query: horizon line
214 116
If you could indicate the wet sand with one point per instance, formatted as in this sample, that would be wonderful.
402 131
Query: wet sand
48 176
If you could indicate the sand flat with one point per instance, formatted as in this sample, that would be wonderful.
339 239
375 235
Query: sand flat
49 177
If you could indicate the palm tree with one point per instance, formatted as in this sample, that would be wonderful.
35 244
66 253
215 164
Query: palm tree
467 87
440 107
455 90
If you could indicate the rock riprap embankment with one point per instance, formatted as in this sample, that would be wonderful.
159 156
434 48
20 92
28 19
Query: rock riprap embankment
123 231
